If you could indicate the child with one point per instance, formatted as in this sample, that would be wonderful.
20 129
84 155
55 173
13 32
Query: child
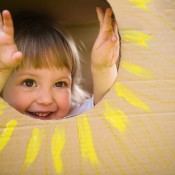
40 66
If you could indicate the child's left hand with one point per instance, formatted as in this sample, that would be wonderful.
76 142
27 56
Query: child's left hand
106 48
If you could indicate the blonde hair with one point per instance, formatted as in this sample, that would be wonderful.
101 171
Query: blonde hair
45 45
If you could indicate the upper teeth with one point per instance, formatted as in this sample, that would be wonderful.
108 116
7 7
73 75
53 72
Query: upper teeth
42 114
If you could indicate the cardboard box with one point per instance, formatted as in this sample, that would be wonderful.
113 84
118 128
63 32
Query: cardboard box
131 131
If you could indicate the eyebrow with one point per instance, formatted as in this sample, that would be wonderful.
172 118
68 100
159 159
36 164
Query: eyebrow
35 75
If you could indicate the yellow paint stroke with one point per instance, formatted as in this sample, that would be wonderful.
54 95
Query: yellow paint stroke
33 147
6 133
136 37
58 142
116 117
2 106
137 70
1 112
128 95
141 3
86 141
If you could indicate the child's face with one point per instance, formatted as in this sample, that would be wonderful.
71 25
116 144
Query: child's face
40 93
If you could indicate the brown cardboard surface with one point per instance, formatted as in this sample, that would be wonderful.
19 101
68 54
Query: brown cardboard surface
131 131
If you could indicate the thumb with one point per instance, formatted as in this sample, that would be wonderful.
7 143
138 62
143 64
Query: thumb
17 57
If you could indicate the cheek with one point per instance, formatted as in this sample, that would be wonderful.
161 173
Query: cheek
63 101
17 99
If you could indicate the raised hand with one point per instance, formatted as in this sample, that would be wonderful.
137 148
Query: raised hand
10 57
105 54
106 48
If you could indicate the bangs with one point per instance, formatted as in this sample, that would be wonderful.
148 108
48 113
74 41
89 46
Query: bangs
41 53
43 46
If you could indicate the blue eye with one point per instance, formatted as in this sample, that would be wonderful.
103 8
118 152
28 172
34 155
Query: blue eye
60 84
29 83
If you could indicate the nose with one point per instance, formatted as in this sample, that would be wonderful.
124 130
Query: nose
45 97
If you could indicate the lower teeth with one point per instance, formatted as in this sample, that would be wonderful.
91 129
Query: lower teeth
41 115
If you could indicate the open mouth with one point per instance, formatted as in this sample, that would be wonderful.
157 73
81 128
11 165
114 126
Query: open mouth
41 115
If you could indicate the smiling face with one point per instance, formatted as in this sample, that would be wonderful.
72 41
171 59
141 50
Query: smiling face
40 93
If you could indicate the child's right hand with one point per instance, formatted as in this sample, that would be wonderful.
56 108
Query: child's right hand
105 51
10 57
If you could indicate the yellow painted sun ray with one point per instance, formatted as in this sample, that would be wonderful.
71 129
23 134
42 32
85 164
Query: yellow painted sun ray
141 3
128 95
137 70
86 141
33 148
116 117
7 133
136 37
57 145
2 106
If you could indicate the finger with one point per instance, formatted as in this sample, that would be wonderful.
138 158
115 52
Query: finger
114 26
107 26
16 58
1 23
115 30
100 15
106 30
113 49
116 53
8 23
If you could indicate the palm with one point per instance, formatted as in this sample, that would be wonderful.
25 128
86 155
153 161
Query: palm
8 48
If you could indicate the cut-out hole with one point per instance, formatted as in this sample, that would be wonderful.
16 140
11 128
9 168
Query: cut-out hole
84 29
